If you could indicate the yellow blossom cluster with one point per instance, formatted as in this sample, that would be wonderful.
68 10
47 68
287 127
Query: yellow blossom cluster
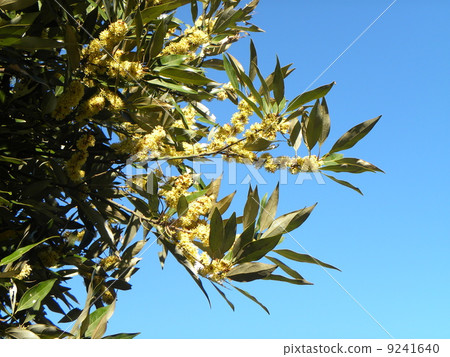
109 262
178 187
99 59
68 100
187 44
295 164
78 159
215 269
141 145
24 272
48 257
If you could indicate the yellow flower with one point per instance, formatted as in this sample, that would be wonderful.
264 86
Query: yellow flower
24 272
68 100
91 107
109 262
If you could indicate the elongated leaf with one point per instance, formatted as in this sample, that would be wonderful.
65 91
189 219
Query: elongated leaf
287 280
309 96
216 235
122 336
326 123
98 320
344 183
251 297
48 331
295 134
253 61
270 209
288 222
278 83
303 258
244 238
313 129
182 206
257 249
71 45
20 333
35 295
153 12
230 304
134 224
229 233
158 37
250 271
251 207
352 165
185 76
225 202
231 73
286 269
21 251
355 134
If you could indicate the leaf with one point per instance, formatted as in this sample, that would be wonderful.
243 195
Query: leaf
286 269
246 294
152 12
260 144
182 206
48 331
253 61
224 296
288 222
270 209
344 183
71 45
229 233
13 5
134 224
20 333
216 235
225 202
287 280
355 134
278 83
122 336
185 76
98 320
303 258
313 126
21 251
244 238
257 249
351 165
251 207
35 295
307 97
326 123
194 10
231 73
295 134
250 271
31 43
157 42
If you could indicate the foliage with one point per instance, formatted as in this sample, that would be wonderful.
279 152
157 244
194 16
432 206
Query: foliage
89 89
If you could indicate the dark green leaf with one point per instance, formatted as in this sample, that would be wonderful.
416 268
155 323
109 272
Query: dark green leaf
287 280
231 73
224 296
122 336
355 134
187 75
21 251
270 209
286 269
288 222
295 135
71 45
194 10
48 331
250 271
251 207
307 97
229 233
216 235
152 12
257 249
244 238
246 294
253 61
351 165
158 37
313 126
182 206
344 183
303 258
130 232
278 83
326 123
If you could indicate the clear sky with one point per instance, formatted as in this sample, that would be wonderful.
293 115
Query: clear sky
393 243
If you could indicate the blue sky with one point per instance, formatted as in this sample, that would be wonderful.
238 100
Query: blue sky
393 243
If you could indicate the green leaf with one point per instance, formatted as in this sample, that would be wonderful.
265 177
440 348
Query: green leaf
307 97
344 183
303 258
216 235
326 123
194 10
288 222
157 42
225 202
229 233
244 238
278 83
253 61
134 224
224 296
122 336
351 165
31 43
287 280
257 249
98 320
21 251
355 134
251 207
295 134
182 206
11 160
270 209
13 5
35 295
187 76
251 297
250 271
313 126
286 269
48 331
20 333
152 12
260 144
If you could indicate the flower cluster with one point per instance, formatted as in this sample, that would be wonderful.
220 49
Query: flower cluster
99 58
187 44
78 159
24 272
68 100
295 165
109 262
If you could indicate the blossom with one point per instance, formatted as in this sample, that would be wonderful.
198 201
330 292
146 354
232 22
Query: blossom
68 100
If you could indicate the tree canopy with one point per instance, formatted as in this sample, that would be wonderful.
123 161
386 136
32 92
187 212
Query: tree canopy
91 93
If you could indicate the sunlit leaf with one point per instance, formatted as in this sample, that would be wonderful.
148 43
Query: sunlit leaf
303 258
250 271
35 295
